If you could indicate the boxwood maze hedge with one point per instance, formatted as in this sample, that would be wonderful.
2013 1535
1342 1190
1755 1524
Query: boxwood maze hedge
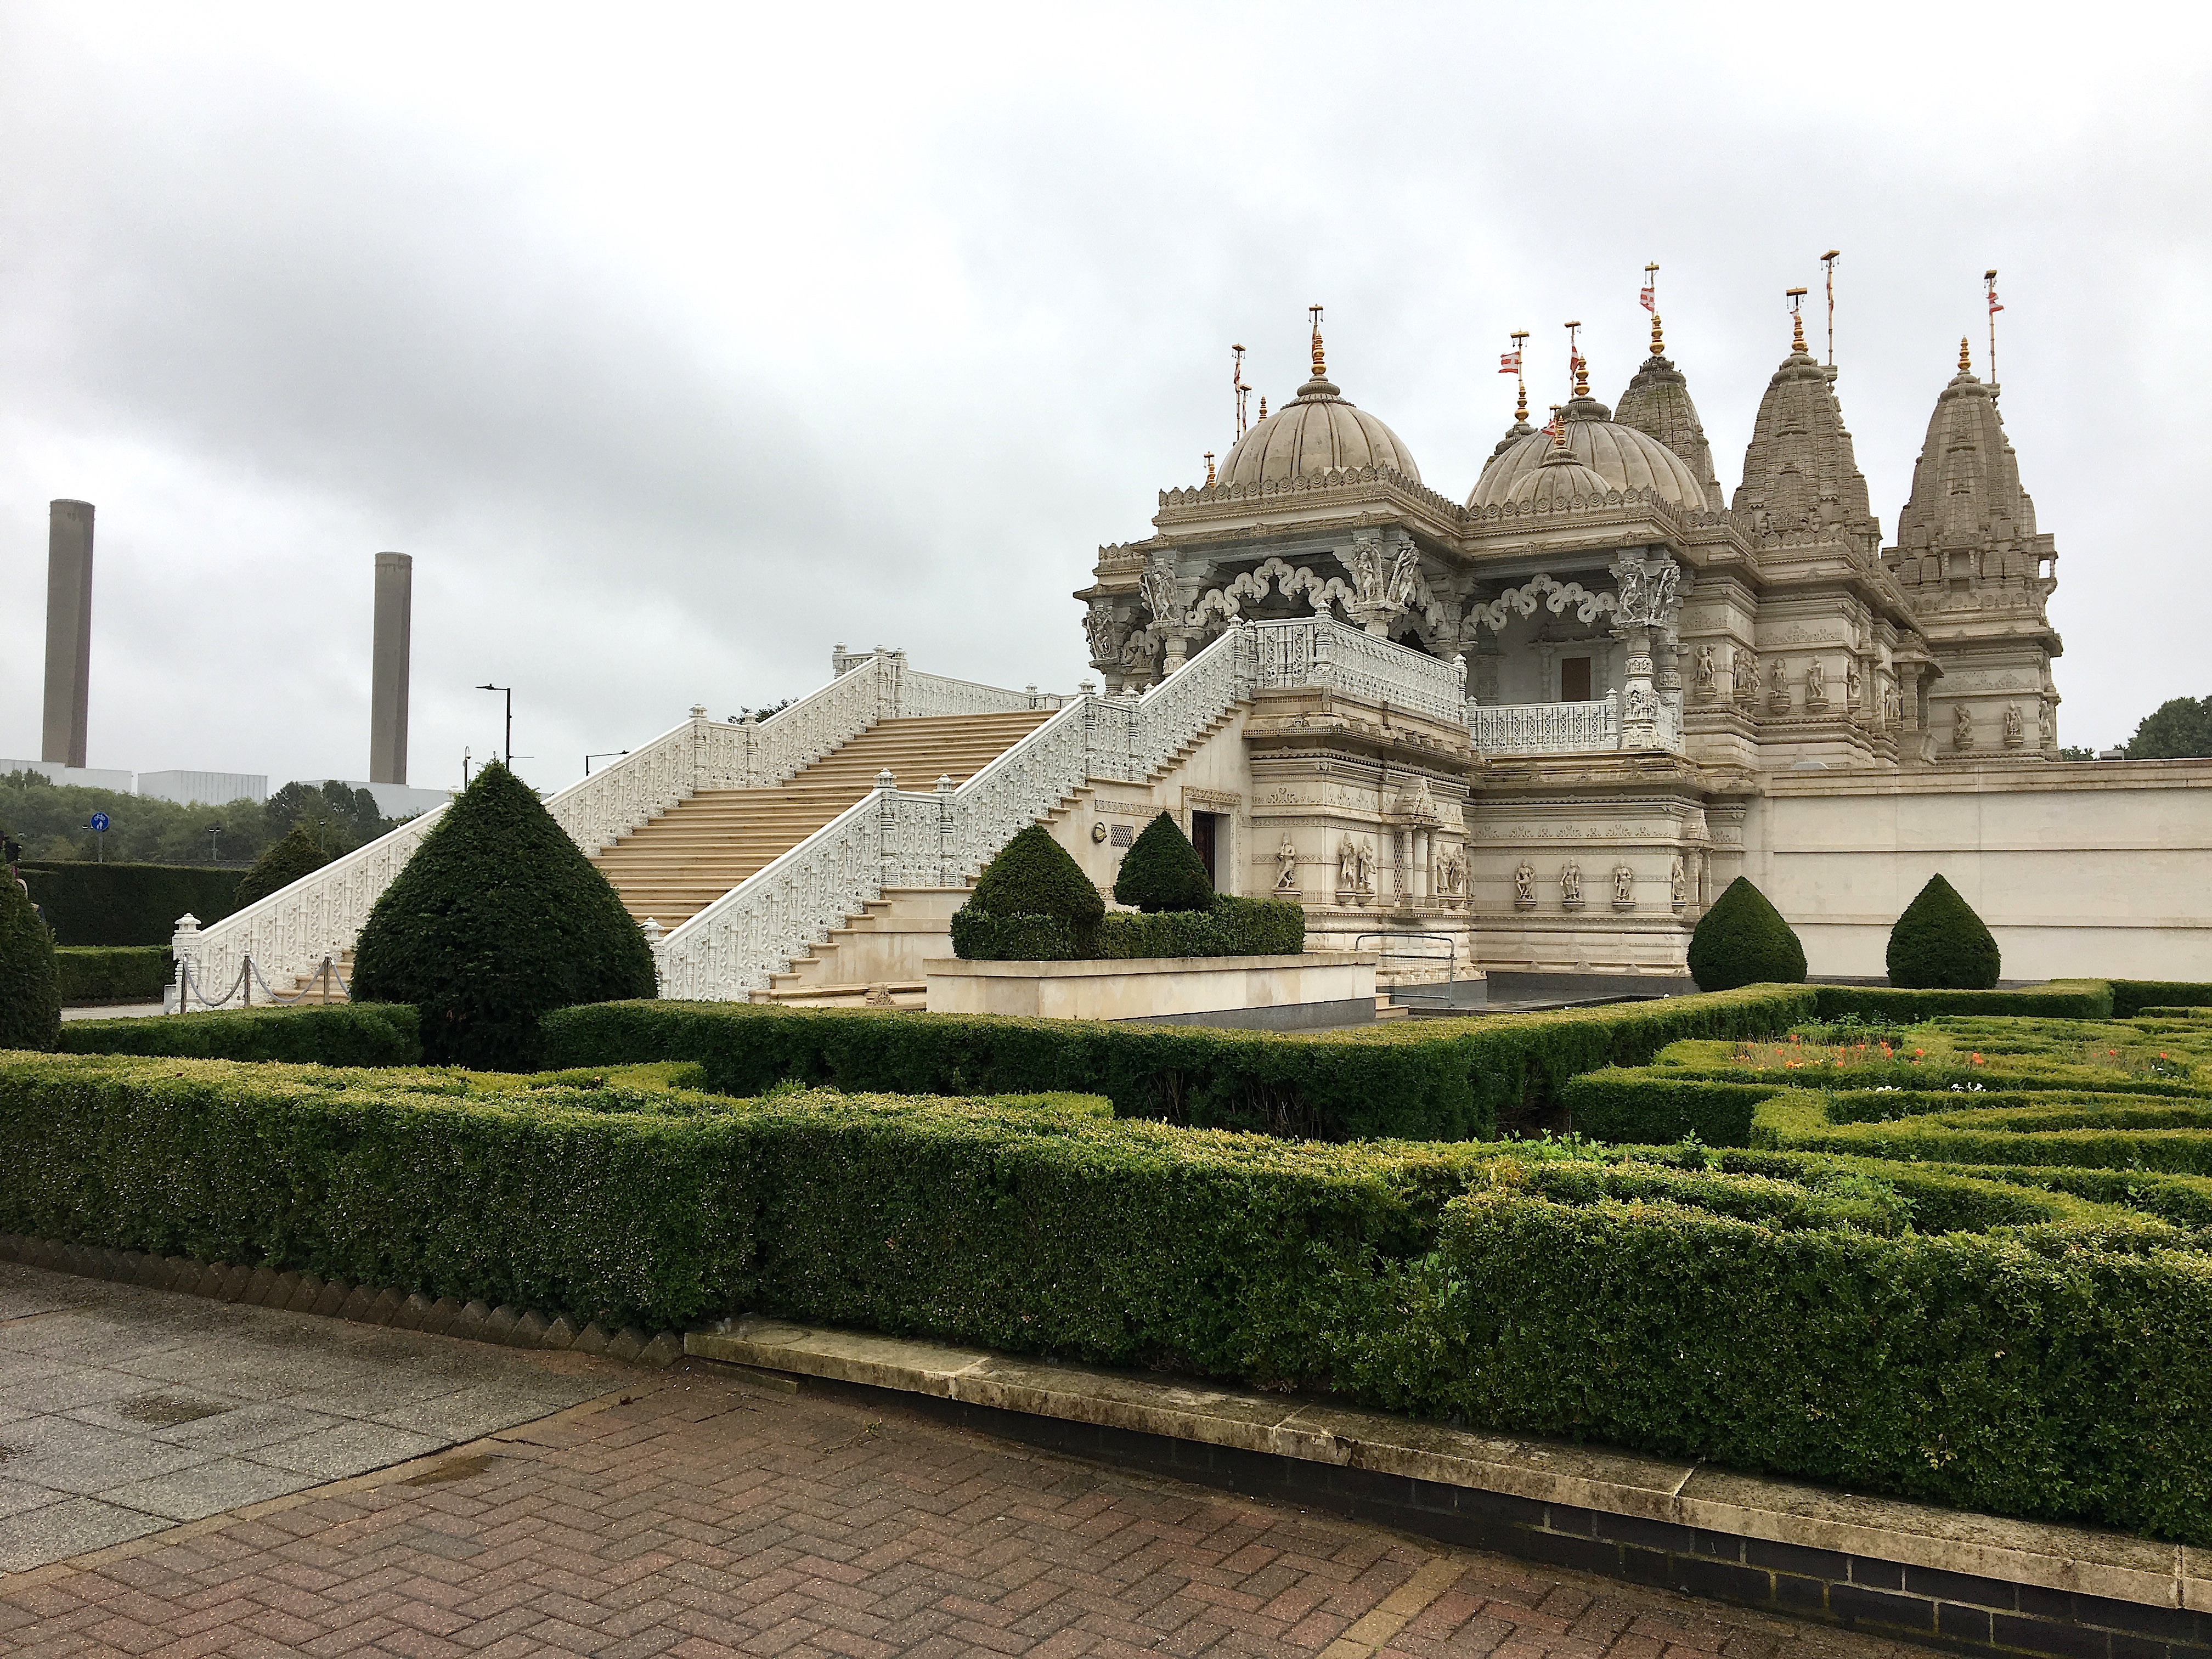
1443 1079
1970 1341
341 1033
119 973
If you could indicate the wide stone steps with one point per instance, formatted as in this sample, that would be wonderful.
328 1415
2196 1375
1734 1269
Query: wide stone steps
674 866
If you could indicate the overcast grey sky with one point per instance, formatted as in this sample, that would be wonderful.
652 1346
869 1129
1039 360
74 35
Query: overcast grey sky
678 345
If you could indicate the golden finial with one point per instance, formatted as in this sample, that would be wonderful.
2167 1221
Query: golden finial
1965 361
1577 377
1582 376
1658 344
1797 297
1209 469
1520 378
1649 300
1320 366
1558 429
1263 405
1520 403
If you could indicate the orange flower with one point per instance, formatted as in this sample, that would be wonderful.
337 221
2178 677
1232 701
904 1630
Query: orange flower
1978 1060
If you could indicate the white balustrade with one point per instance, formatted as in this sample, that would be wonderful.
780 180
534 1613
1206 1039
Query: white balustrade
1545 728
894 837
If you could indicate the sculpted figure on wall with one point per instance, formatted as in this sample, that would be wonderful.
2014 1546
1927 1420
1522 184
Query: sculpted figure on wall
2015 727
1816 684
1777 700
1286 862
1852 684
1570 885
1347 873
1163 595
1746 666
2043 723
1677 885
1962 727
1705 687
1524 885
1103 631
1624 885
1894 706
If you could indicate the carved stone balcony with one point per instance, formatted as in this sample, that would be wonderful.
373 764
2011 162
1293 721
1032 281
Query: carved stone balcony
1560 728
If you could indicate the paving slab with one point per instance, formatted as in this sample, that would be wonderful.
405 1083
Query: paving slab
130 1410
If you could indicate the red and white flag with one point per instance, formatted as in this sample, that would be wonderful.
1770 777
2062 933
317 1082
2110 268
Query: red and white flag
1509 362
1994 307
1648 302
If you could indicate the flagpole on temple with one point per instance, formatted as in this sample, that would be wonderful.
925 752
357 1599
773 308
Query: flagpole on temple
1990 283
1828 260
1649 301
1237 384
1574 355
1509 363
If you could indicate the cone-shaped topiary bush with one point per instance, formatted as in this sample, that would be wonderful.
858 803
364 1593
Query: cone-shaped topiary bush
1742 940
291 856
1033 904
1940 944
30 986
497 919
1035 876
1162 871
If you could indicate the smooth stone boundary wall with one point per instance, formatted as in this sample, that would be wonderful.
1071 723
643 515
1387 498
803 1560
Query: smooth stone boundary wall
1146 985
1963 1581
304 1292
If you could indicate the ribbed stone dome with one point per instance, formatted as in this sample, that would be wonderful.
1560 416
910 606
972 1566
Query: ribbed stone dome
1556 480
1623 457
1315 431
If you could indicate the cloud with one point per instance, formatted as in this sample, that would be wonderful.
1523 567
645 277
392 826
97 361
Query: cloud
679 347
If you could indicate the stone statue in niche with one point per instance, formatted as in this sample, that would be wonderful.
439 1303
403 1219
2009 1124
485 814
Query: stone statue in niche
2015 727
1852 685
2043 724
1366 873
1962 727
1778 699
1678 884
1452 876
1894 705
1347 873
1524 886
1286 862
1816 684
1705 686
1624 887
1570 885
1745 664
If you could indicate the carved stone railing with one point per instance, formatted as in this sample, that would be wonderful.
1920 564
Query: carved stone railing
319 916
898 837
321 913
1545 728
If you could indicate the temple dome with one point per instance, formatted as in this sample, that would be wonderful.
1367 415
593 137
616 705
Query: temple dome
1623 457
1556 480
1314 431
1658 402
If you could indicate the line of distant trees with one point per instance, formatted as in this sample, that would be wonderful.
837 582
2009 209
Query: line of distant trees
2175 730
52 822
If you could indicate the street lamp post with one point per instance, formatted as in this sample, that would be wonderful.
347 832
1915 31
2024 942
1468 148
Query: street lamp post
510 719
214 830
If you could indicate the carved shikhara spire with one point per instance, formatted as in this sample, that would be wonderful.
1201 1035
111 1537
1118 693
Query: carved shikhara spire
1966 500
1799 471
1657 403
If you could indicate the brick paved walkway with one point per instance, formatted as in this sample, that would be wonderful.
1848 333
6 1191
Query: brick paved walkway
699 1513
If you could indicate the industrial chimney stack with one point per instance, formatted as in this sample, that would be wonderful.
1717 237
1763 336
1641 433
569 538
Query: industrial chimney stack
387 693
68 631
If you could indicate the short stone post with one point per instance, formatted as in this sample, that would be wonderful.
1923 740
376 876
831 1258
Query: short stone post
946 789
653 934
886 826
184 946
698 747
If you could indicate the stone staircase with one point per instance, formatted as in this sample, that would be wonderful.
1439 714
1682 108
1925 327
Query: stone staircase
315 987
675 866
875 959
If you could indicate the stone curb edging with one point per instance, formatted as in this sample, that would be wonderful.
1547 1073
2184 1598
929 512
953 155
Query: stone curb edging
1977 1583
362 1305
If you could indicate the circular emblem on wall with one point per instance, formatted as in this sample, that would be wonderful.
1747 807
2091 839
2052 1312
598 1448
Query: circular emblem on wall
1097 831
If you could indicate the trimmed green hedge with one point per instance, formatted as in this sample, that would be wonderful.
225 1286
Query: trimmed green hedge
1774 1315
338 1034
1162 872
1234 927
30 987
1743 940
2131 996
93 974
1441 1080
1644 1109
127 904
2082 999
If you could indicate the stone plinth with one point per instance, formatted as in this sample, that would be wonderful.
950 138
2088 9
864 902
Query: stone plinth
1147 985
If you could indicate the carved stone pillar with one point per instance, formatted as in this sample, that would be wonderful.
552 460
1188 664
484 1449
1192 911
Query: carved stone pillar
1639 701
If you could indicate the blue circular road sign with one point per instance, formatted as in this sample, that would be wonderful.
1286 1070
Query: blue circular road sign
99 821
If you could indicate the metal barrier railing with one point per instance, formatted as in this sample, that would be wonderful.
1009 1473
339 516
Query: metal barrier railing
187 989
